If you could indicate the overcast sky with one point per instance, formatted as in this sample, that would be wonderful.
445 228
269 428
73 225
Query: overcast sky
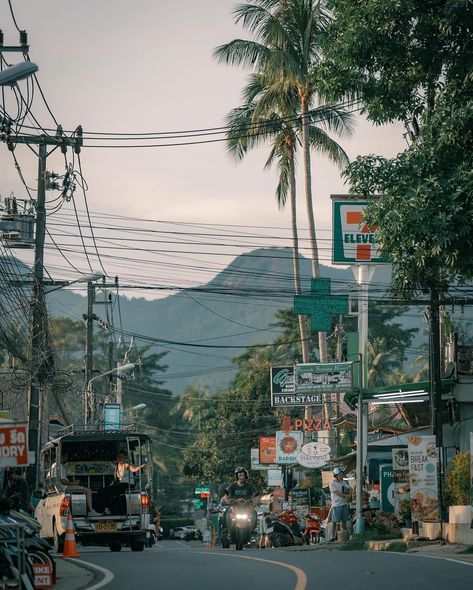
146 66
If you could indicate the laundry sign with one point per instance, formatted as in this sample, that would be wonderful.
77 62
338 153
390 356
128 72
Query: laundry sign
14 445
354 241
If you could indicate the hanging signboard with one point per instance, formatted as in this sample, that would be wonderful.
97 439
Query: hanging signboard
255 463
354 242
14 445
317 449
423 464
282 390
402 495
267 450
112 416
312 378
311 462
386 484
275 478
288 447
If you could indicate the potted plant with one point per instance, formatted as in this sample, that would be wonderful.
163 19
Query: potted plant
457 489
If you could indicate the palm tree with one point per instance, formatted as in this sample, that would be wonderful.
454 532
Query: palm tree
253 123
286 51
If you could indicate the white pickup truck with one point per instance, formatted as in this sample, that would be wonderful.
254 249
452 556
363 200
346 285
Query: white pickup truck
91 457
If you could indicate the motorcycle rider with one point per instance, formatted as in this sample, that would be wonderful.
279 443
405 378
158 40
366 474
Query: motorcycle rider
241 489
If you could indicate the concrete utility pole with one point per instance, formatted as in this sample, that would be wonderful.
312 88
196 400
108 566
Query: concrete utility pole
435 348
39 353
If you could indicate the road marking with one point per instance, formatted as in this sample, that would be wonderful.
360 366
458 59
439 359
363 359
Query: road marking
453 560
301 578
108 575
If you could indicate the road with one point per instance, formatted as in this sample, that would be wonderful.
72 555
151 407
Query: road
177 565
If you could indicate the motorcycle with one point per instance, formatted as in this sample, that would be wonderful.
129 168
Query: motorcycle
312 531
240 520
284 529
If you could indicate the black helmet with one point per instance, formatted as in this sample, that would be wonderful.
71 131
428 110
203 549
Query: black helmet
242 470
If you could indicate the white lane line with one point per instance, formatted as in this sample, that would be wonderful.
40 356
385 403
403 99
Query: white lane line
453 560
301 578
108 575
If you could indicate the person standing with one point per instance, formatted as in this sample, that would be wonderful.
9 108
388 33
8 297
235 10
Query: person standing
339 494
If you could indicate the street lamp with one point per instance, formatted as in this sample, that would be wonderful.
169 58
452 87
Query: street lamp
133 408
89 394
18 72
85 279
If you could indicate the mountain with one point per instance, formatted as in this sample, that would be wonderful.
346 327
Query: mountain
235 309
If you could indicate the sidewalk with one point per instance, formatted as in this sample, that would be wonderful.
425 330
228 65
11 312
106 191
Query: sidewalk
437 549
72 576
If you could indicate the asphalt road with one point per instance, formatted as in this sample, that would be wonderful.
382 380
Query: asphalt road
176 565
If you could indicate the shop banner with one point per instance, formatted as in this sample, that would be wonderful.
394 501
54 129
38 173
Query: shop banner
316 378
386 484
423 465
267 450
256 465
402 496
14 445
283 393
275 478
288 447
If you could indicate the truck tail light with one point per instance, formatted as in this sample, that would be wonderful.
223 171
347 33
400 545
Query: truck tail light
65 507
145 503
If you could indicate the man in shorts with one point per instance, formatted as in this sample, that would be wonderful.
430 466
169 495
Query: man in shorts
339 494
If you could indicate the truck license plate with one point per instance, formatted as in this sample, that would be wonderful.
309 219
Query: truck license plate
106 527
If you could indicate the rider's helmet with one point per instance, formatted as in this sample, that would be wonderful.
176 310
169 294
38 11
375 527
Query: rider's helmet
337 470
242 470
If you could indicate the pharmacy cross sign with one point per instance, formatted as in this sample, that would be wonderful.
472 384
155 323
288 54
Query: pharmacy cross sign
321 305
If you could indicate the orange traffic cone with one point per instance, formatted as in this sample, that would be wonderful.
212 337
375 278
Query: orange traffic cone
70 547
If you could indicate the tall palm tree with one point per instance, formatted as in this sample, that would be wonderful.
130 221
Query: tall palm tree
286 50
257 121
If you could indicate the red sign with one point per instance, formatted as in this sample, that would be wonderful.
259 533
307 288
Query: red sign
43 575
267 450
306 424
14 445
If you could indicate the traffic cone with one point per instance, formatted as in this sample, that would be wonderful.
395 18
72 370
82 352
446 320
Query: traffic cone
70 547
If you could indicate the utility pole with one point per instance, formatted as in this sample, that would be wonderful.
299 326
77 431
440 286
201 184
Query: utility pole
436 385
89 410
39 353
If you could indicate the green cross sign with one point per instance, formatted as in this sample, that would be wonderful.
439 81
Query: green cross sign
321 305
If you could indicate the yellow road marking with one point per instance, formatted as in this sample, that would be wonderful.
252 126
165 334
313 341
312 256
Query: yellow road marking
301 578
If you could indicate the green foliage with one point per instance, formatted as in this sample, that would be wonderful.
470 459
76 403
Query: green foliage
398 547
457 481
397 55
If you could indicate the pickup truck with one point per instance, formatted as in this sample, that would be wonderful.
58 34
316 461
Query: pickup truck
91 456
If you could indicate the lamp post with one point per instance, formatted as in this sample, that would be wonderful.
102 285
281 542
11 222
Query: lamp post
89 402
14 74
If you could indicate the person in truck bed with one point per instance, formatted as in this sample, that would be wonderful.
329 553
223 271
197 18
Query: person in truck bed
123 479
68 482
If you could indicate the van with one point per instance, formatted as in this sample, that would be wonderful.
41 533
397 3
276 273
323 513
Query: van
91 462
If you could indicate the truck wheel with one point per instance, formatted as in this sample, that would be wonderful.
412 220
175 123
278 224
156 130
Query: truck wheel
115 546
58 540
137 545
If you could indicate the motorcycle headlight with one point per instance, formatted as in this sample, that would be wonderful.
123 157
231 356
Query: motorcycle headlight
242 516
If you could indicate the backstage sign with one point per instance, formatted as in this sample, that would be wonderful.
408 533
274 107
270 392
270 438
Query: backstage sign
282 390
14 445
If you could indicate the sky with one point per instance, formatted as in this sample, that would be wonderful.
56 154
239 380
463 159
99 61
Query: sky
147 66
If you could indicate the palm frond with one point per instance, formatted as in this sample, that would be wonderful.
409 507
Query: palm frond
334 118
323 143
242 52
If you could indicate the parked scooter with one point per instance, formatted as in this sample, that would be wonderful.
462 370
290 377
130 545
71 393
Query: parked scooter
312 531
284 529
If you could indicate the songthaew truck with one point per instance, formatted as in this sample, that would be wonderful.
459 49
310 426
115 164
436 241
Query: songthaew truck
71 486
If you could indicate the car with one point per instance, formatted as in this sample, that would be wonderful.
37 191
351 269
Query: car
178 533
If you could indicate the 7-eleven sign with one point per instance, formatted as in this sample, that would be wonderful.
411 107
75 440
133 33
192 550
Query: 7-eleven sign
353 241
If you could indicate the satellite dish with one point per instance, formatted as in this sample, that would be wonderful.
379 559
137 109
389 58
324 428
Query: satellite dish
20 71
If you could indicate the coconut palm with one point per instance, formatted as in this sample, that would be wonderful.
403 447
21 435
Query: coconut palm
286 52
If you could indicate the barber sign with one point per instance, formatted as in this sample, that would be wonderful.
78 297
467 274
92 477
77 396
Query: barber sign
354 242
13 445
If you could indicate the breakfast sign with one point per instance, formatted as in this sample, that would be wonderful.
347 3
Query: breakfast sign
423 465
